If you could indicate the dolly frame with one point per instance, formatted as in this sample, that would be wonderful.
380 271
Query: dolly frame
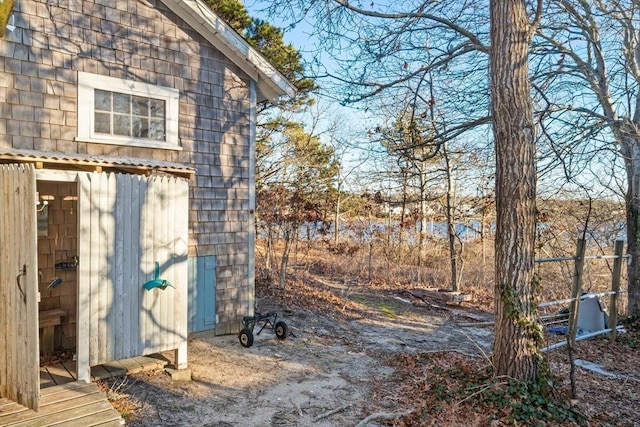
268 319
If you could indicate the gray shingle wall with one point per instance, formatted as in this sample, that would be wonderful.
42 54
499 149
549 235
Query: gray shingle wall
141 41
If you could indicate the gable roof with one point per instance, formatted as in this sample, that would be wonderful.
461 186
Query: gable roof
271 83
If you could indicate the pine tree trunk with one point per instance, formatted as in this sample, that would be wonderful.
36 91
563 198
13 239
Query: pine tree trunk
630 149
517 333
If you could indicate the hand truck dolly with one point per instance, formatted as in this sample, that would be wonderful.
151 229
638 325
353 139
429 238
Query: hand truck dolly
269 319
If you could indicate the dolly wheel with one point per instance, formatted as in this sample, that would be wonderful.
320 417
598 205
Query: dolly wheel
281 330
246 337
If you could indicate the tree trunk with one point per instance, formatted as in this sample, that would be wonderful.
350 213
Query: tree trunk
370 260
518 336
336 219
284 262
269 248
451 226
484 231
403 217
630 149
422 237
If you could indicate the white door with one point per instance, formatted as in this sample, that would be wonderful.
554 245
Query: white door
19 352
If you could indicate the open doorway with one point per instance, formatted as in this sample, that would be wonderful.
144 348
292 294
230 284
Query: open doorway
58 280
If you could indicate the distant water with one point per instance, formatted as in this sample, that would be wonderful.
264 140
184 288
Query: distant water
364 230
467 231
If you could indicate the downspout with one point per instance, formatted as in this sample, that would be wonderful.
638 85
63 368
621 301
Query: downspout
251 276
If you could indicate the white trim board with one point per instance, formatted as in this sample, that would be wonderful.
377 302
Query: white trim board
87 83
271 83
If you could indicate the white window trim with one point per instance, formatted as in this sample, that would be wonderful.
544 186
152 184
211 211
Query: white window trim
87 83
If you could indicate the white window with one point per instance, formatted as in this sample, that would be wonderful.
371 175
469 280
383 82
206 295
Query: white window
116 111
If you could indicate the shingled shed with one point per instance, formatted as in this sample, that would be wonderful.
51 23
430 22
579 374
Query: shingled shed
134 121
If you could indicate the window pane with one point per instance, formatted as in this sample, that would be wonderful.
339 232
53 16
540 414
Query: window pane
140 105
137 116
156 130
102 100
140 127
157 108
102 123
121 103
121 125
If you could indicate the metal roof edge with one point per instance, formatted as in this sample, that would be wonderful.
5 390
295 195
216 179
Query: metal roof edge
75 159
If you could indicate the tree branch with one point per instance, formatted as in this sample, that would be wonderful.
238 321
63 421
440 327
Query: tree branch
475 41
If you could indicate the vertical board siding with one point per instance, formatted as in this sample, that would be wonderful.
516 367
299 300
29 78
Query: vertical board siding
202 293
84 273
19 354
127 223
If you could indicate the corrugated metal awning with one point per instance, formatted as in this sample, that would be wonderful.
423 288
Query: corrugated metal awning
57 160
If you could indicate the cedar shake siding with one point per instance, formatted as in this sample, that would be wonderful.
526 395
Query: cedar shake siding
143 41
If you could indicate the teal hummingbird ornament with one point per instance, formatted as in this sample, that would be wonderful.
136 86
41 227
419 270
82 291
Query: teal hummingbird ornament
157 282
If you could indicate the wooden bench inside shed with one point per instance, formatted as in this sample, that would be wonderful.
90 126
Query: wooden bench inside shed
48 320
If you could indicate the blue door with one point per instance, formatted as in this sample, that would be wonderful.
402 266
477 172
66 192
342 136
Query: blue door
202 293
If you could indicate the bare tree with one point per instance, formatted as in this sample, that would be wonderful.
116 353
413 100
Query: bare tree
452 234
587 59
379 48
344 143
429 168
298 191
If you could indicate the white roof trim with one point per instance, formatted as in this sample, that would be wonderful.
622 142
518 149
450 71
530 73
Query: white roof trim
271 83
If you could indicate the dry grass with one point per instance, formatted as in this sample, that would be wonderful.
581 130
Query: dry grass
385 266
115 389
452 389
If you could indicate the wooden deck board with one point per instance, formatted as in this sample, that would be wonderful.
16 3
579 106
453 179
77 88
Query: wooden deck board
151 362
131 366
115 368
99 373
71 404
94 420
59 374
8 408
5 402
55 408
66 402
76 385
45 379
69 395
72 369
66 372
95 410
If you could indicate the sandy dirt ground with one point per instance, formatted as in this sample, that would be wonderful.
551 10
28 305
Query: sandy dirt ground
326 373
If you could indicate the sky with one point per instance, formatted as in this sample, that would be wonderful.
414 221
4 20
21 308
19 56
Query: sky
354 122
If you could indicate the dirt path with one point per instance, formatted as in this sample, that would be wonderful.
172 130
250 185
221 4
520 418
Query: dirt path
325 374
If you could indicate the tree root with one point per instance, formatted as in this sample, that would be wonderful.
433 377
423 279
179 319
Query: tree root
382 416
329 413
